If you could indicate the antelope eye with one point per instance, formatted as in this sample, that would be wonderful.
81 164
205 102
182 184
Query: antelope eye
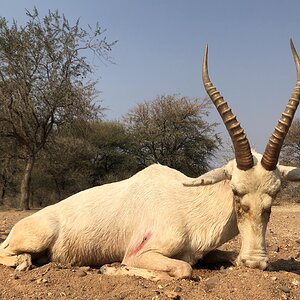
245 208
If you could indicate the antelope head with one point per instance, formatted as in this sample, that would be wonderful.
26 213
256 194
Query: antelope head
254 179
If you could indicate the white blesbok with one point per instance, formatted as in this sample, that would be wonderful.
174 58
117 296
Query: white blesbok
160 222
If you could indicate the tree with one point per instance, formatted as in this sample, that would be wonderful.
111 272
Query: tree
83 155
290 153
112 159
44 81
171 130
9 167
64 167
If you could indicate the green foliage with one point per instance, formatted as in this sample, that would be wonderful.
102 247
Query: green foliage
43 76
290 156
10 168
171 130
82 155
85 154
112 159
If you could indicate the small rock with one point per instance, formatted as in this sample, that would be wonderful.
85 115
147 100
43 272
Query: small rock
178 289
60 267
196 278
3 237
274 278
212 282
274 248
85 268
172 295
81 273
298 241
295 282
285 289
41 280
160 286
16 276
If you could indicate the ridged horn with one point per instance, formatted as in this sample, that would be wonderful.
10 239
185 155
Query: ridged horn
243 155
273 148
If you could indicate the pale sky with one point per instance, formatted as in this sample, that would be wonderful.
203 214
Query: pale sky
160 47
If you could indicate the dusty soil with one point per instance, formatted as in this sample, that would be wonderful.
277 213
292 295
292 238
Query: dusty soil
280 281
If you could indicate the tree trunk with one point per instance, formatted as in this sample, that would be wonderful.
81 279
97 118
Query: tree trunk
3 181
25 184
3 190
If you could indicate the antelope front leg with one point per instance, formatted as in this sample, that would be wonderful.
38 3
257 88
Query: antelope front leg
150 265
158 262
117 269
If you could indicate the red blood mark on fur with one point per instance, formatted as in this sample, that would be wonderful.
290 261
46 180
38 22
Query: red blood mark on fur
141 245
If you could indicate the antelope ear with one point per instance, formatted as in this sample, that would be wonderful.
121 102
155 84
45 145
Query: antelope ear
211 177
289 173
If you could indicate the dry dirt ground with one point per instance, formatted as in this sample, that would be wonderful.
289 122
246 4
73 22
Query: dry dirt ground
56 281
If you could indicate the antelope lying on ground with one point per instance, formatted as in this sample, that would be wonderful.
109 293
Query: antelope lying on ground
160 222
